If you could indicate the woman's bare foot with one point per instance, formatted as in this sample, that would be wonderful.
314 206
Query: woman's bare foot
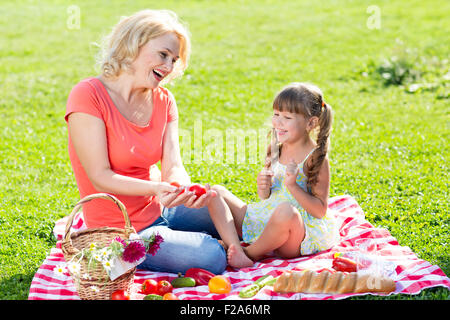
237 257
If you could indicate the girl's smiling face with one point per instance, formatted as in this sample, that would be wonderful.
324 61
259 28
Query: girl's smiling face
290 127
156 60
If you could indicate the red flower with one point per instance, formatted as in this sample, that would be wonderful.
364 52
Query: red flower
154 247
134 251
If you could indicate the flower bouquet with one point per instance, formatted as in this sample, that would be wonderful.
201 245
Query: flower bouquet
116 258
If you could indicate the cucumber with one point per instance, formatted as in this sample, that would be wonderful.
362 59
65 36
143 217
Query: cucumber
267 281
153 297
249 291
261 279
252 289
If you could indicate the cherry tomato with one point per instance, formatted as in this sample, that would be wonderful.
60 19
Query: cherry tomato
170 296
163 287
197 189
176 184
120 295
149 286
219 284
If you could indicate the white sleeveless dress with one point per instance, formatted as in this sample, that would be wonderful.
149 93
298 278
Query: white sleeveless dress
320 234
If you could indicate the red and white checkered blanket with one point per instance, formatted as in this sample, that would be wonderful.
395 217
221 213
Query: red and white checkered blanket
411 273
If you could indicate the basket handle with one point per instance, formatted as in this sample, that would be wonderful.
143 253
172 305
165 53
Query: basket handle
128 228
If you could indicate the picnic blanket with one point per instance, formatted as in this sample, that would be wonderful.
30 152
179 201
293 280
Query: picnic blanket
410 273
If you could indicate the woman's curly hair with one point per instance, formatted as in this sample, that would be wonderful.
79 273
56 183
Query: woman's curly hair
121 46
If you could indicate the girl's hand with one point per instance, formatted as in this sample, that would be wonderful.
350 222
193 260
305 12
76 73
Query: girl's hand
264 179
291 174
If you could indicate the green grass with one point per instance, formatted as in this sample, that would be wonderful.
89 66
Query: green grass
389 146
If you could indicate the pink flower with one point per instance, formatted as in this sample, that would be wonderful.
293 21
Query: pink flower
119 239
154 246
134 251
153 249
158 239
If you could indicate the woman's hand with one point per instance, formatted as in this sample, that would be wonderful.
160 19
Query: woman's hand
166 194
170 196
202 201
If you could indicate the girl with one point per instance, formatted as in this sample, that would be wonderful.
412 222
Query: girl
292 218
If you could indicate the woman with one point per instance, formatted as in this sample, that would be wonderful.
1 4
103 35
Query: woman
121 124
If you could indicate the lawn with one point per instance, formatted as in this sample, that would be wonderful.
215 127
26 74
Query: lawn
389 87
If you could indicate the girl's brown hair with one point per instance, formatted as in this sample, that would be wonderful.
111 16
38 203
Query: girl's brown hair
307 99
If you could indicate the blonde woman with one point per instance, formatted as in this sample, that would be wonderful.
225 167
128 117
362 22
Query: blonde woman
121 124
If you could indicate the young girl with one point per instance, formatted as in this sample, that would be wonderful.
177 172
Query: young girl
292 218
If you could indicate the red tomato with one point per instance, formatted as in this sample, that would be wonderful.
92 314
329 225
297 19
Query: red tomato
170 296
163 287
197 189
176 184
149 286
120 295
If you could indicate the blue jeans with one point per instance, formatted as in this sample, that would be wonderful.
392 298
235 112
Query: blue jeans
190 241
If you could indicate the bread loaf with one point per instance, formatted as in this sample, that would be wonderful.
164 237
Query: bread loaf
308 281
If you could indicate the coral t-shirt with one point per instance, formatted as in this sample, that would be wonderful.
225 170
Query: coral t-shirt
132 150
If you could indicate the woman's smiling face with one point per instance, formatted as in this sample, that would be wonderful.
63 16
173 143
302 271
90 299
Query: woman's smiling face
156 60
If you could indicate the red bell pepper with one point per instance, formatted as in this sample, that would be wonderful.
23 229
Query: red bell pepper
201 276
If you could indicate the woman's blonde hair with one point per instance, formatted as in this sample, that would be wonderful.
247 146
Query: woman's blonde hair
121 46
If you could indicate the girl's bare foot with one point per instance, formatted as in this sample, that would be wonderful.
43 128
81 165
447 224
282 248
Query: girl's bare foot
250 255
237 257
223 244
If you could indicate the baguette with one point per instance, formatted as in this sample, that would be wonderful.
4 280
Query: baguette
308 281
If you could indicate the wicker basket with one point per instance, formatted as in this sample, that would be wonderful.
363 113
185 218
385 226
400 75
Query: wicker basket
74 242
